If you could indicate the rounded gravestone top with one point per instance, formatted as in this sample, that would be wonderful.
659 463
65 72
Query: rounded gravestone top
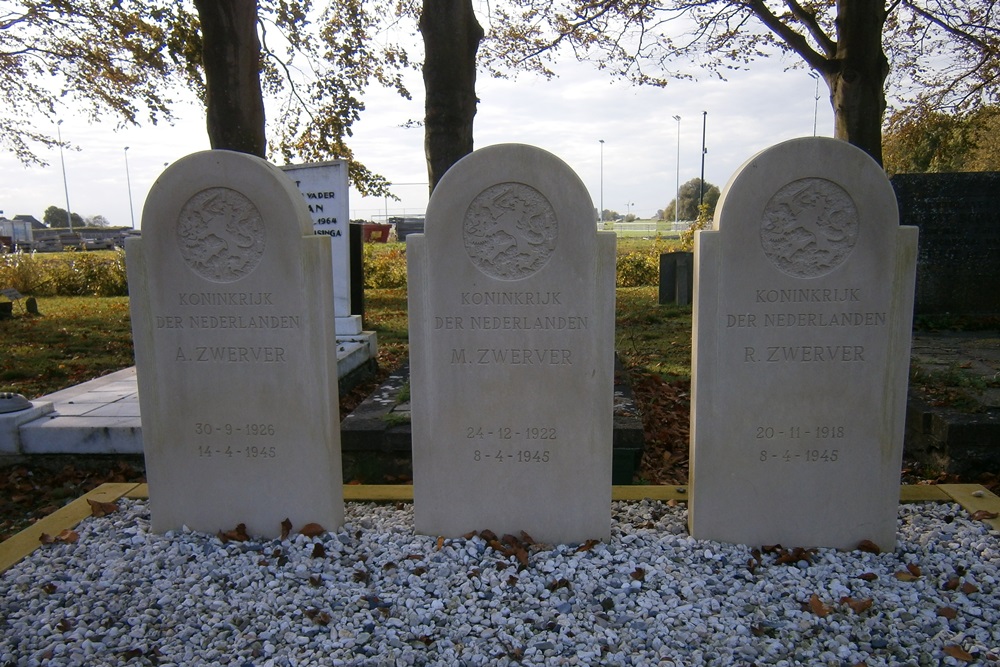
220 235
510 231
809 227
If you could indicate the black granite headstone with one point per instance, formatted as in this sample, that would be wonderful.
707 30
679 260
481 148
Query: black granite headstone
959 219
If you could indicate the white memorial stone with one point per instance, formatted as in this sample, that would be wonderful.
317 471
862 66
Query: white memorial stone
511 314
232 317
802 325
324 186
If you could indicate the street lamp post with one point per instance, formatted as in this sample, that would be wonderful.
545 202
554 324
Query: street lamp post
815 76
677 184
602 182
704 124
128 181
69 218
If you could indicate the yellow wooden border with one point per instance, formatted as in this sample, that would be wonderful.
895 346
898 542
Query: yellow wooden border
22 544
972 497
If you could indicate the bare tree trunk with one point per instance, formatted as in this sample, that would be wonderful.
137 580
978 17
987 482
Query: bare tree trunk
231 57
451 39
857 80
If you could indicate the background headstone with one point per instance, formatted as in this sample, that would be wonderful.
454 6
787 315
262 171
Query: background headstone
232 317
803 304
958 216
325 188
511 314
676 278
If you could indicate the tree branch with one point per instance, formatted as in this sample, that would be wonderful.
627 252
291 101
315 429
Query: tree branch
808 19
794 40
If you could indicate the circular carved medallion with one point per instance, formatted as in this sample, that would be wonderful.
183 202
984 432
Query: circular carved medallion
510 231
809 227
220 235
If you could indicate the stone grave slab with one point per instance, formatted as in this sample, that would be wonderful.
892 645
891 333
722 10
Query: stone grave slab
511 314
802 312
232 315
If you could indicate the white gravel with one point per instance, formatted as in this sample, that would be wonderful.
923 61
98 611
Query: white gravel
374 593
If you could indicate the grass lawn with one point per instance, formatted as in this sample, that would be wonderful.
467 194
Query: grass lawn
74 339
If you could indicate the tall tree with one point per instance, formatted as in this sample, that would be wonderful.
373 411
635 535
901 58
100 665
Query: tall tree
86 57
938 52
451 37
231 59
917 142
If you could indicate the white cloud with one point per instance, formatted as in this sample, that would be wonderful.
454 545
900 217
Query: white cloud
566 116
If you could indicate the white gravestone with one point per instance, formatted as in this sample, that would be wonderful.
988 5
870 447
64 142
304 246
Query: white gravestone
324 186
802 319
511 313
232 317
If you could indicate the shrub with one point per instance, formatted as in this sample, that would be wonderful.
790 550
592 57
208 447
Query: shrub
638 269
22 271
642 268
385 265
66 274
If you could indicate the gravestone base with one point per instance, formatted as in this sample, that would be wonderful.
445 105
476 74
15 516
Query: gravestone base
376 436
966 444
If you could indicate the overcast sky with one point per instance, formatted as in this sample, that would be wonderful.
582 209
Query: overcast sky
567 116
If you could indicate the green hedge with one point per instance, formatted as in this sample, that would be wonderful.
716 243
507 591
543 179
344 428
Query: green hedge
103 273
385 264
65 273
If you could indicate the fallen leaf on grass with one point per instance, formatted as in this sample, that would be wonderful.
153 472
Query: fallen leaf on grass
958 653
99 509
